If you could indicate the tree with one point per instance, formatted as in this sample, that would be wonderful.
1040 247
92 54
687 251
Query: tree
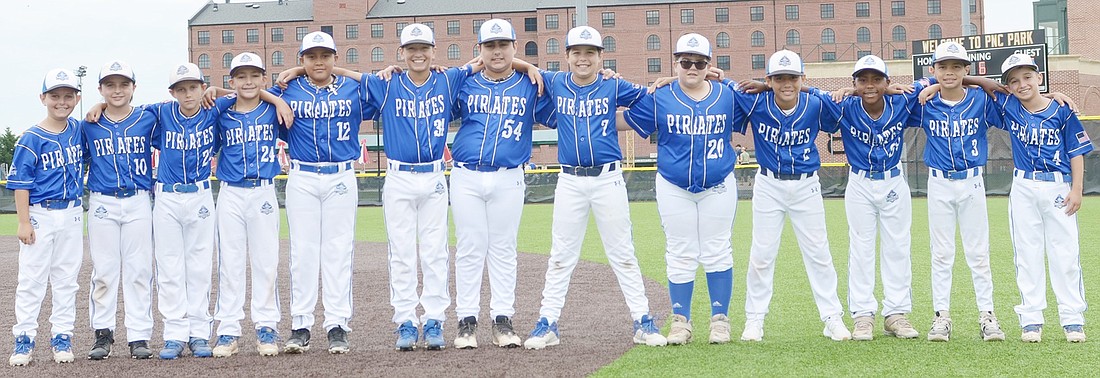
7 146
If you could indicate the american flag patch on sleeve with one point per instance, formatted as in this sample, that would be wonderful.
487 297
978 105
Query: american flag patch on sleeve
1083 137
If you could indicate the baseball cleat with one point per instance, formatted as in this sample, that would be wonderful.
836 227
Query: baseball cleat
645 332
719 329
406 336
835 329
941 327
433 335
990 327
1033 333
265 341
298 342
504 335
199 348
21 354
102 348
172 350
1075 333
467 333
62 345
754 330
226 346
898 325
338 340
545 334
863 328
139 350
679 332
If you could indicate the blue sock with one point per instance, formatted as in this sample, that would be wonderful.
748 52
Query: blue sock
680 293
720 286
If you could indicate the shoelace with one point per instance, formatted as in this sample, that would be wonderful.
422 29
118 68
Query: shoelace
407 331
647 326
265 336
940 324
173 345
541 328
990 322
1074 328
864 326
226 339
1033 328
505 327
435 331
198 343
902 323
61 344
465 328
23 347
101 342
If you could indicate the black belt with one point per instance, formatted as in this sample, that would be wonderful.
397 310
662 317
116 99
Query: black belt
249 183
589 171
787 177
121 193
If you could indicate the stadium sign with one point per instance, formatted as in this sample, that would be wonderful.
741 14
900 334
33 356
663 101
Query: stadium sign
987 52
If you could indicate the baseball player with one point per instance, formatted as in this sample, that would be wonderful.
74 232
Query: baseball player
47 176
321 192
785 122
955 121
247 211
591 181
877 199
696 188
120 228
497 107
1048 148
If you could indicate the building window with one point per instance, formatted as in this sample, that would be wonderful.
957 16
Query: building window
900 54
206 79
351 32
757 61
654 64
723 62
722 15
376 54
530 24
933 7
756 13
376 31
477 51
973 29
477 26
862 53
553 66
793 38
652 17
935 32
827 11
276 34
611 64
551 22
722 40
204 37
863 35
792 12
687 16
609 44
204 61
277 58
531 49
573 22
252 35
227 60
553 47
430 25
898 34
300 32
828 56
863 9
225 81
453 27
227 37
653 42
757 38
608 19
274 77
897 8
352 55
327 30
973 6
828 36
453 52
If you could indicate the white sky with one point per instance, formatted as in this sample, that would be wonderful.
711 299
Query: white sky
151 35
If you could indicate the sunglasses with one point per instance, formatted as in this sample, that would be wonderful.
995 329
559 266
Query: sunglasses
699 65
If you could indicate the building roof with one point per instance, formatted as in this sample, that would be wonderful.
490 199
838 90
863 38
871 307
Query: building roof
416 8
253 12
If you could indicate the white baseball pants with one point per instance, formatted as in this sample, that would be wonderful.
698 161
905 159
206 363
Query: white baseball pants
698 227
605 196
1039 223
772 201
183 234
961 202
487 207
120 236
248 235
53 259
882 208
415 209
320 211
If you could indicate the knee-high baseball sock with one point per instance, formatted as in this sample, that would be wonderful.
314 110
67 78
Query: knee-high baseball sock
720 286
680 293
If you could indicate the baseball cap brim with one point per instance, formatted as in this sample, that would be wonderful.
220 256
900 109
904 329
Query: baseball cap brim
234 69
117 74
1004 75
946 58
56 86
785 72
497 38
579 44
859 71
418 41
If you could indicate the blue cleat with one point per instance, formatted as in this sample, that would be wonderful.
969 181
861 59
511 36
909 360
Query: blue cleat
200 348
545 334
172 350
406 336
24 348
645 332
433 335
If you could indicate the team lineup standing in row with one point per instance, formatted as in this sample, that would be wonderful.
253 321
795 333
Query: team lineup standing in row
696 194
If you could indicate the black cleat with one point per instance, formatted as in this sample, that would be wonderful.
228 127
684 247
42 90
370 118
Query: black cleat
102 348
298 342
338 340
139 350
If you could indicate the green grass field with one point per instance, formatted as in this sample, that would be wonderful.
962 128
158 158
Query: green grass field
793 344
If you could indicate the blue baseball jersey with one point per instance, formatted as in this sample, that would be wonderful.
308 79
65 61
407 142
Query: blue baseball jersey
186 144
497 119
785 141
1043 141
873 144
247 143
957 134
694 136
415 118
584 116
119 152
326 119
49 165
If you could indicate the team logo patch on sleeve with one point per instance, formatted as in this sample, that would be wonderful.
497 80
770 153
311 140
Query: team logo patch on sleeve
1082 137
101 212
204 213
267 208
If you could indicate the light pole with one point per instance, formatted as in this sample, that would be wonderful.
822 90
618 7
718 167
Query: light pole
80 73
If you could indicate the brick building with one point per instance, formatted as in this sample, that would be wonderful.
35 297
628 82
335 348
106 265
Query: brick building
638 34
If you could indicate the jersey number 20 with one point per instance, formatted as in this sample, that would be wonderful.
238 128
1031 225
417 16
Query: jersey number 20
715 148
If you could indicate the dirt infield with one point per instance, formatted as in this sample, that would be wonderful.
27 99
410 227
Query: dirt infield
595 329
